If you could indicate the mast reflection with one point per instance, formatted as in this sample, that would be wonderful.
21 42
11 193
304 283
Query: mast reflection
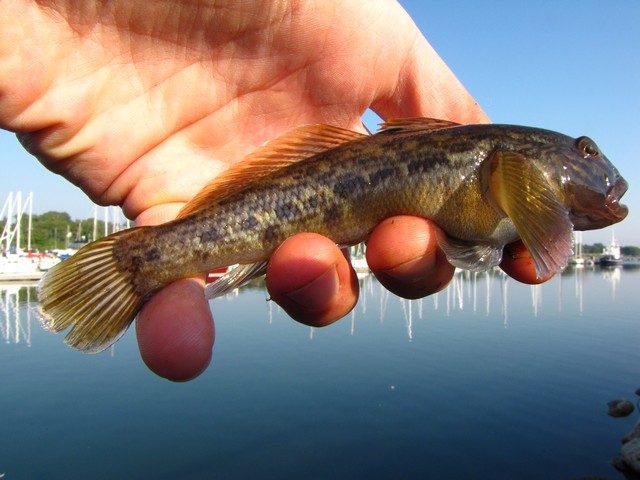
505 300
15 320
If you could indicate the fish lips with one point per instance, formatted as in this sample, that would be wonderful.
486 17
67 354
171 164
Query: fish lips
591 210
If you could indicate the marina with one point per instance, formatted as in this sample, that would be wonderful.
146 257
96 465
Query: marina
18 264
20 261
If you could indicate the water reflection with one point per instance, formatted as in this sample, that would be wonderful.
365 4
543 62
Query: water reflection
488 293
612 276
488 367
15 320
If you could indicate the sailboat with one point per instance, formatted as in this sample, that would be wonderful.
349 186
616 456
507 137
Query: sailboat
17 264
577 260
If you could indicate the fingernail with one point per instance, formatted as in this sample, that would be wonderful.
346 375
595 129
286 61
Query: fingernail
415 269
316 294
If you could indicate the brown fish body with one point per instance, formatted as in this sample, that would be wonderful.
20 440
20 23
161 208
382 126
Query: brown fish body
341 184
342 194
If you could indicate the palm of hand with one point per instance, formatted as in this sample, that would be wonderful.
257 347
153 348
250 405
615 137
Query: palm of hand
158 101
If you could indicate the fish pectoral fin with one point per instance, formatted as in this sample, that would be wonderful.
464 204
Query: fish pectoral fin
291 147
523 192
235 277
414 124
470 256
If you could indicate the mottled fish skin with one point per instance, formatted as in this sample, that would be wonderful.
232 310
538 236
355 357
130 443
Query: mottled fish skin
439 173
342 193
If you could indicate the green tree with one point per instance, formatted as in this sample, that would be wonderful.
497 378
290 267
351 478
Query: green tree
49 230
596 248
54 230
630 251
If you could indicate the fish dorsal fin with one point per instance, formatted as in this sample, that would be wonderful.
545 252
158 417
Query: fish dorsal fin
291 147
523 192
415 124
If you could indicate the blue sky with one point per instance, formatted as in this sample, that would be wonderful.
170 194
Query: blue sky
570 66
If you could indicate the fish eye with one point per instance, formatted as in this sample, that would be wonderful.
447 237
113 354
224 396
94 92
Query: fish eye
587 147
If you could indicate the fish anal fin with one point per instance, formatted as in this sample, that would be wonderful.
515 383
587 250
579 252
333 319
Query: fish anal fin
536 209
235 277
477 257
415 124
291 147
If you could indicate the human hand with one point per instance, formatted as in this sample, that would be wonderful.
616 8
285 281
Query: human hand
140 104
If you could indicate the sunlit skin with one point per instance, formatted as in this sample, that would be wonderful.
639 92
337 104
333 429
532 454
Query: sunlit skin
123 101
517 263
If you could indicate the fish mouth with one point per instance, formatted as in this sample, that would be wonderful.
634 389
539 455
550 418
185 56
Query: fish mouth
617 211
610 211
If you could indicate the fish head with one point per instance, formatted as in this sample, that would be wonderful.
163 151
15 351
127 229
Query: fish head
593 187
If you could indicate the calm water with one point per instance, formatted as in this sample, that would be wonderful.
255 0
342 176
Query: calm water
488 379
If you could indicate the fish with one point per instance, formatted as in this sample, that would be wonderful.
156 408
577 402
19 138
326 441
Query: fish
485 185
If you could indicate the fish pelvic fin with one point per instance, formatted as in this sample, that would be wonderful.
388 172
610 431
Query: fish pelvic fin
534 206
235 277
291 147
475 257
414 124
88 293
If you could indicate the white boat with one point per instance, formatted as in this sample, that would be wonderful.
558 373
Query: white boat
16 267
612 255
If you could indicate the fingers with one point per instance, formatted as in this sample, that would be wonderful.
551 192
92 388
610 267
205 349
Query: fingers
517 263
403 253
175 331
310 278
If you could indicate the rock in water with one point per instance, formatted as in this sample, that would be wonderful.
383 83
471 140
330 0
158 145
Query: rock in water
630 455
620 408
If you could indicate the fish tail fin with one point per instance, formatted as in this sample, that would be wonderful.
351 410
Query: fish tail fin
88 293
